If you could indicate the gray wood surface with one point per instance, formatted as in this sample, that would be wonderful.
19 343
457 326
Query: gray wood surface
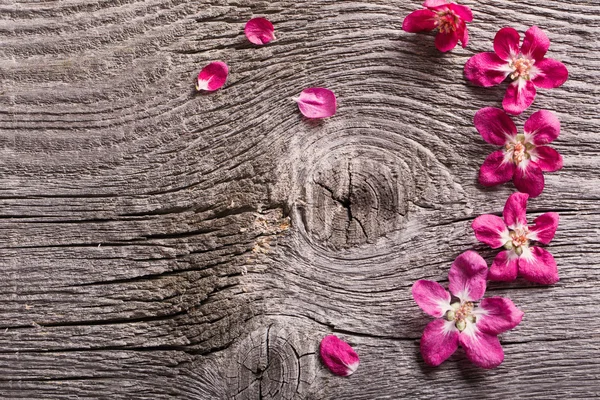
156 243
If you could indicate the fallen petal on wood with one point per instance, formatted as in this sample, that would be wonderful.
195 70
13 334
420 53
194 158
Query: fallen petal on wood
259 31
212 77
338 356
317 103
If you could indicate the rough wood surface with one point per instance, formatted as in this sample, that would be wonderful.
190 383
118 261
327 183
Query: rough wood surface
156 243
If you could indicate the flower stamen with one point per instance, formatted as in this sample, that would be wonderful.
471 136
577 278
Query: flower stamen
447 21
521 68
460 314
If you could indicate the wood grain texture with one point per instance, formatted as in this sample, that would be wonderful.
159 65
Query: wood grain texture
156 243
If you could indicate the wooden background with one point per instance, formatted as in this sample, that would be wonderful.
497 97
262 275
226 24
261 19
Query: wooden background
156 243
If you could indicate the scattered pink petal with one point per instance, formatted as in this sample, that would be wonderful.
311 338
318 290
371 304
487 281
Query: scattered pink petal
259 31
338 356
317 103
212 77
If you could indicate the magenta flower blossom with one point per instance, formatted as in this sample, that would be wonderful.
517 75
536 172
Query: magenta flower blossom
526 66
449 19
533 263
460 321
525 157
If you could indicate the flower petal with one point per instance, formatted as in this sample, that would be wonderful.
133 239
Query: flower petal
491 230
494 126
482 349
439 341
463 36
467 276
338 356
259 31
548 159
446 41
506 43
549 73
497 315
505 267
529 179
317 102
515 210
212 77
434 3
486 69
431 297
544 227
519 96
543 126
537 265
419 21
496 169
463 12
535 44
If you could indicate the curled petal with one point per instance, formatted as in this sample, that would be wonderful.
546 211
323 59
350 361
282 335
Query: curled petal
537 265
535 44
498 315
491 230
548 159
494 125
550 73
496 169
446 41
212 77
486 69
317 103
259 31
544 227
519 96
464 36
505 267
483 349
506 43
515 210
431 297
439 341
463 12
543 126
419 21
467 276
338 356
529 179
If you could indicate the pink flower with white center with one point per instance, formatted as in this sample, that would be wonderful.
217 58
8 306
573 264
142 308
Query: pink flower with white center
526 66
448 18
460 320
535 264
525 156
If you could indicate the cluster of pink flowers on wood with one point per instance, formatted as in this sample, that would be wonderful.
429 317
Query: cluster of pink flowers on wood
523 158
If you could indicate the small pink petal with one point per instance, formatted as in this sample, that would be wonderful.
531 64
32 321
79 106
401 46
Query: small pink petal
431 297
494 126
259 31
529 179
439 341
317 103
464 36
551 74
467 276
500 315
535 44
505 267
484 350
506 43
446 41
519 96
548 159
515 210
537 265
434 3
463 12
338 356
496 169
544 227
419 21
213 76
543 126
486 69
491 230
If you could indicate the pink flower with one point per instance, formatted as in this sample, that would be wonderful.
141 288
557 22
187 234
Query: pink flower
448 18
338 356
533 263
526 66
460 321
525 156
